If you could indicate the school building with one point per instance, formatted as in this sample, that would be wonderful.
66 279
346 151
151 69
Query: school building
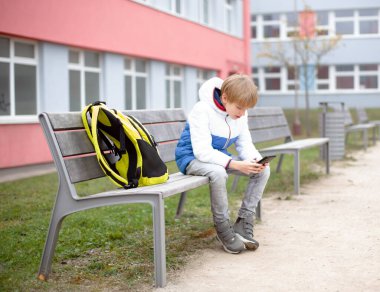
350 73
58 56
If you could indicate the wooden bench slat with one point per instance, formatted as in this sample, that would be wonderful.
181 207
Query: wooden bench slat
269 134
267 122
167 150
76 142
265 111
73 120
83 168
167 131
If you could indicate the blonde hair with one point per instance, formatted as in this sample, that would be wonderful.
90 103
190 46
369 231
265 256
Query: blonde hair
241 90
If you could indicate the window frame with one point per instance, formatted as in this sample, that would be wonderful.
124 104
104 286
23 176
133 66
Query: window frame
134 74
13 60
83 69
171 79
228 15
272 75
323 81
203 13
368 73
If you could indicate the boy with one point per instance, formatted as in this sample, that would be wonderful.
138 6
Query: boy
217 121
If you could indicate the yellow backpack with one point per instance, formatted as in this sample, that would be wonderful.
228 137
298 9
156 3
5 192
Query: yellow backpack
126 152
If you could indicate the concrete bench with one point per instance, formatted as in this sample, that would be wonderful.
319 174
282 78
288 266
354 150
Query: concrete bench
270 124
363 128
75 161
363 119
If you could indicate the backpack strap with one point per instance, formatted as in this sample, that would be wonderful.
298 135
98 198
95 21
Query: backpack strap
140 128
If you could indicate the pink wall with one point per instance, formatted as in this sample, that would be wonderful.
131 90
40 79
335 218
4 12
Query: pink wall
119 26
22 144
124 27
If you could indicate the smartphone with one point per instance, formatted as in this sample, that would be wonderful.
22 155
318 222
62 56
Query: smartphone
266 159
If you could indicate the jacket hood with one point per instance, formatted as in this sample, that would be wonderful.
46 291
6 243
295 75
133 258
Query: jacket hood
210 93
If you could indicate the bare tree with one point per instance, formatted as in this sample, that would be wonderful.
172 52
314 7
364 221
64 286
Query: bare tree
304 51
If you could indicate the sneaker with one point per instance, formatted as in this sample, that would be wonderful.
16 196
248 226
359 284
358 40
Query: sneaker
226 236
244 230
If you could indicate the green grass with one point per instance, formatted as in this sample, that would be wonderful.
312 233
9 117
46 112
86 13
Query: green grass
113 246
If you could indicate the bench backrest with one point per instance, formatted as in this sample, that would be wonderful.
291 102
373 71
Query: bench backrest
71 144
362 115
268 124
348 121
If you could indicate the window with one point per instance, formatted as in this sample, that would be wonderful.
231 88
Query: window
84 78
203 76
272 78
368 76
255 76
204 11
174 81
323 78
135 83
368 21
253 26
291 24
176 6
344 77
271 26
322 23
292 81
228 15
344 22
18 77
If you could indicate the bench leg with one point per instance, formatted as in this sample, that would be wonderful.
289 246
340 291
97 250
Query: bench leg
279 164
50 244
235 183
181 203
297 173
258 210
365 139
159 242
374 136
327 152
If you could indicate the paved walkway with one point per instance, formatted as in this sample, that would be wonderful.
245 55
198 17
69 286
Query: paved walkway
327 239
15 173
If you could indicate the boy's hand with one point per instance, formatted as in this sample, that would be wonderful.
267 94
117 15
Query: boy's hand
248 167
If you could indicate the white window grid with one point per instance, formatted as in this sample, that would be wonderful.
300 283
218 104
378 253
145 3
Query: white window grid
324 81
286 29
280 23
324 30
134 74
203 76
363 18
356 73
228 10
367 73
205 12
292 84
254 19
12 61
175 73
255 75
176 7
345 74
273 75
290 26
82 69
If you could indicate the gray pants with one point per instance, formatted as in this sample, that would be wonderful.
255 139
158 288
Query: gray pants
218 189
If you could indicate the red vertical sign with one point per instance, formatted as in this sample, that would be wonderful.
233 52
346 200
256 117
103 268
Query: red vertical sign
307 22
